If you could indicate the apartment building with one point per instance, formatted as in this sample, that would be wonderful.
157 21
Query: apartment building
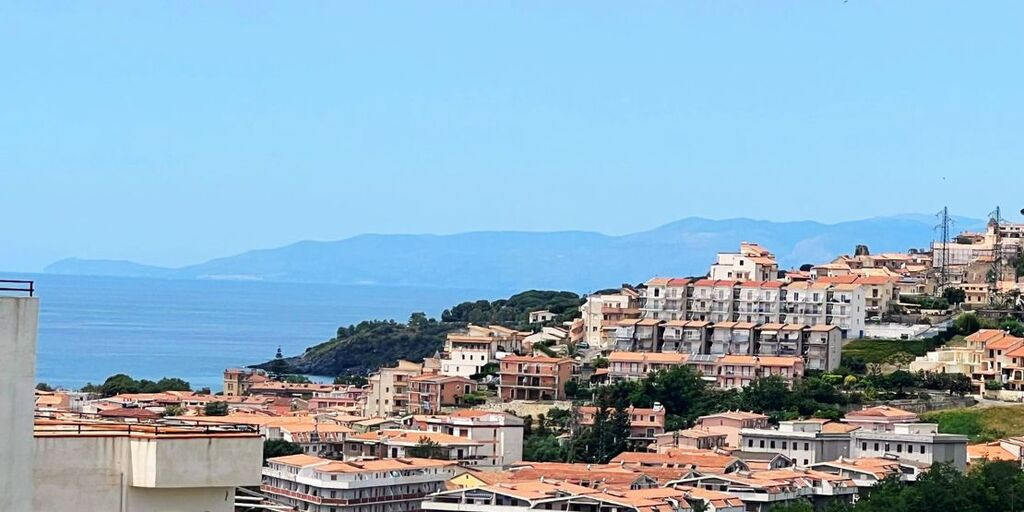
238 380
731 423
534 377
398 443
752 263
732 338
388 392
96 465
696 438
664 298
758 302
645 424
602 313
685 336
776 339
541 316
347 397
811 304
429 393
734 372
467 353
641 335
313 484
545 494
911 442
805 442
763 491
823 347
500 434
881 292
638 365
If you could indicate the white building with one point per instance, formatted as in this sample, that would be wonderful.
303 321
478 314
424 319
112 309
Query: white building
313 484
751 263
18 319
467 353
805 442
912 442
500 434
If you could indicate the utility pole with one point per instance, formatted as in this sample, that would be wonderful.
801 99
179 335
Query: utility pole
943 227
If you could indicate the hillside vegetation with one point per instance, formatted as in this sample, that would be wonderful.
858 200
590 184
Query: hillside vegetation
980 424
368 345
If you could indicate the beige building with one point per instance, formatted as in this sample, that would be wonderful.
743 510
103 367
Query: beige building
500 434
601 314
389 389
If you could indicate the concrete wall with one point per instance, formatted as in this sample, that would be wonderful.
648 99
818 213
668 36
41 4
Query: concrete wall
118 474
18 320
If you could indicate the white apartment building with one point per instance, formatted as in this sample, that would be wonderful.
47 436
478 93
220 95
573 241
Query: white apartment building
805 442
467 353
842 305
499 433
911 442
313 484
18 321
601 313
92 466
751 263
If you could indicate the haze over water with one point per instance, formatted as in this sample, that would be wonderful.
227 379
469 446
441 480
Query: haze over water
93 327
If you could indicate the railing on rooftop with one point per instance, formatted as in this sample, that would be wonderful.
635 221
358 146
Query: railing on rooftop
63 423
18 285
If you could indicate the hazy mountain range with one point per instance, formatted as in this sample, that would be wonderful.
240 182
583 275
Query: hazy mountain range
514 260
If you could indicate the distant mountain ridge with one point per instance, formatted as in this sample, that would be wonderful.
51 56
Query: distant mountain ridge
516 260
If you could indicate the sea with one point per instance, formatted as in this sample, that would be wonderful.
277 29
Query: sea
94 327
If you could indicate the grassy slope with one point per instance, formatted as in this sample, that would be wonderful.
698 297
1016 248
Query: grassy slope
877 351
980 424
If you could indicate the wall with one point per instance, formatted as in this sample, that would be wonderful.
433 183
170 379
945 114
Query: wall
18 320
112 474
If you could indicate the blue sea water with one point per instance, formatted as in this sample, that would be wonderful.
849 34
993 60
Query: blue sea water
94 327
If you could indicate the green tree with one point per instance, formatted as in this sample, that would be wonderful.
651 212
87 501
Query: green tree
967 323
797 505
174 410
351 380
216 409
119 384
427 449
42 386
279 448
954 295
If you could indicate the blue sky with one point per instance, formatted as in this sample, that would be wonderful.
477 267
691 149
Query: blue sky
169 133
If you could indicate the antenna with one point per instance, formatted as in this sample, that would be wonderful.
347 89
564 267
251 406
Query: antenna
943 228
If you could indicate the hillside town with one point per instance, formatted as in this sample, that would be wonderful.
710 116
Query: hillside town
726 392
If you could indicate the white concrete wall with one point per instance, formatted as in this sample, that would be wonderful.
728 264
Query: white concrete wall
18 321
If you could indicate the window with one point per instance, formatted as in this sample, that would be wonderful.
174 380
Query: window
761 443
899 448
864 446
922 448
876 447
886 446
784 445
750 443
807 446
772 444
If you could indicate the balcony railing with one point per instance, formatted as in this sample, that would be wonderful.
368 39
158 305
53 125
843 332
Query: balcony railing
18 285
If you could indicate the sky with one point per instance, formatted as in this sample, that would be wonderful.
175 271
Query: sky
169 133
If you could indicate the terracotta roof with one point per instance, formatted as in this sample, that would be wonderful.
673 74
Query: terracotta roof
880 411
1003 343
536 359
382 465
411 437
989 451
